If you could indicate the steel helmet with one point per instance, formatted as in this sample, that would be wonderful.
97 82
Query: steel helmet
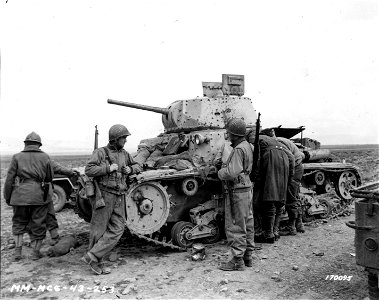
33 137
236 127
117 131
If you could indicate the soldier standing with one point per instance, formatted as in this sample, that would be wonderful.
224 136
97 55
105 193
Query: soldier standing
27 189
239 221
110 167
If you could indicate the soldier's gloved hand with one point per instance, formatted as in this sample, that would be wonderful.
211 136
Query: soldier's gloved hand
126 170
113 167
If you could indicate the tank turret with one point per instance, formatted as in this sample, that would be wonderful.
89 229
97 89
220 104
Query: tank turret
221 102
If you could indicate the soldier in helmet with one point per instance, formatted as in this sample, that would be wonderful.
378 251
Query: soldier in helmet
27 189
109 166
239 221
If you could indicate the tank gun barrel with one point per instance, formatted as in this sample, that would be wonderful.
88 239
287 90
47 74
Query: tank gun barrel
160 110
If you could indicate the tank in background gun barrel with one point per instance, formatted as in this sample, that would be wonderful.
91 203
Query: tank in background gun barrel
316 155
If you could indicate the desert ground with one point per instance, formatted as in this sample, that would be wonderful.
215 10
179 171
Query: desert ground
295 267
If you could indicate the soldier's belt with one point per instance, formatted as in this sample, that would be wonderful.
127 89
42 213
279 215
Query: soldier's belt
26 180
113 190
242 190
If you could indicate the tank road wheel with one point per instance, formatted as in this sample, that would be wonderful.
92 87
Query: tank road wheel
319 178
179 234
216 233
346 181
190 186
147 207
328 207
59 198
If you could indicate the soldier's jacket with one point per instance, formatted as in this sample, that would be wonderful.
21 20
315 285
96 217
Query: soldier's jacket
298 155
27 170
99 167
238 166
59 169
276 168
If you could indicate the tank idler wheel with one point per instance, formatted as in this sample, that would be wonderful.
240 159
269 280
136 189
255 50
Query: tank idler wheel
346 182
59 198
325 204
216 233
319 178
179 234
190 186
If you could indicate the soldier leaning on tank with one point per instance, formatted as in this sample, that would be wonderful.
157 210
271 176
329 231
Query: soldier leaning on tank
293 205
28 189
276 167
109 166
239 221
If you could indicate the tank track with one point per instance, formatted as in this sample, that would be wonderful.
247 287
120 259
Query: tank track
157 242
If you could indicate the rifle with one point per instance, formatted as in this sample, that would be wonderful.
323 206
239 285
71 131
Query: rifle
96 138
47 184
256 148
228 198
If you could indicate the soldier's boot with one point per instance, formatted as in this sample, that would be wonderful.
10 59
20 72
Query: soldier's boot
235 264
93 263
276 228
104 270
268 234
299 223
18 249
248 258
36 254
290 228
54 236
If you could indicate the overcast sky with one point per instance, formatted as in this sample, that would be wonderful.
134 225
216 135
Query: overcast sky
310 63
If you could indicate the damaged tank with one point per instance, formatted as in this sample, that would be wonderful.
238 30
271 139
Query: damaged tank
322 171
178 197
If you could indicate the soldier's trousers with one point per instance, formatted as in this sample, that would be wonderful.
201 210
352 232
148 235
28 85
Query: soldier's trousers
107 224
270 211
292 204
51 219
30 219
239 223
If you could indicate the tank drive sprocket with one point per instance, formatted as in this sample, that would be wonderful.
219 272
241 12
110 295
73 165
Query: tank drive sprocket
147 207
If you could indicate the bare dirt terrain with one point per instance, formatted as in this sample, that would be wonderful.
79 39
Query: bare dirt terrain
295 267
